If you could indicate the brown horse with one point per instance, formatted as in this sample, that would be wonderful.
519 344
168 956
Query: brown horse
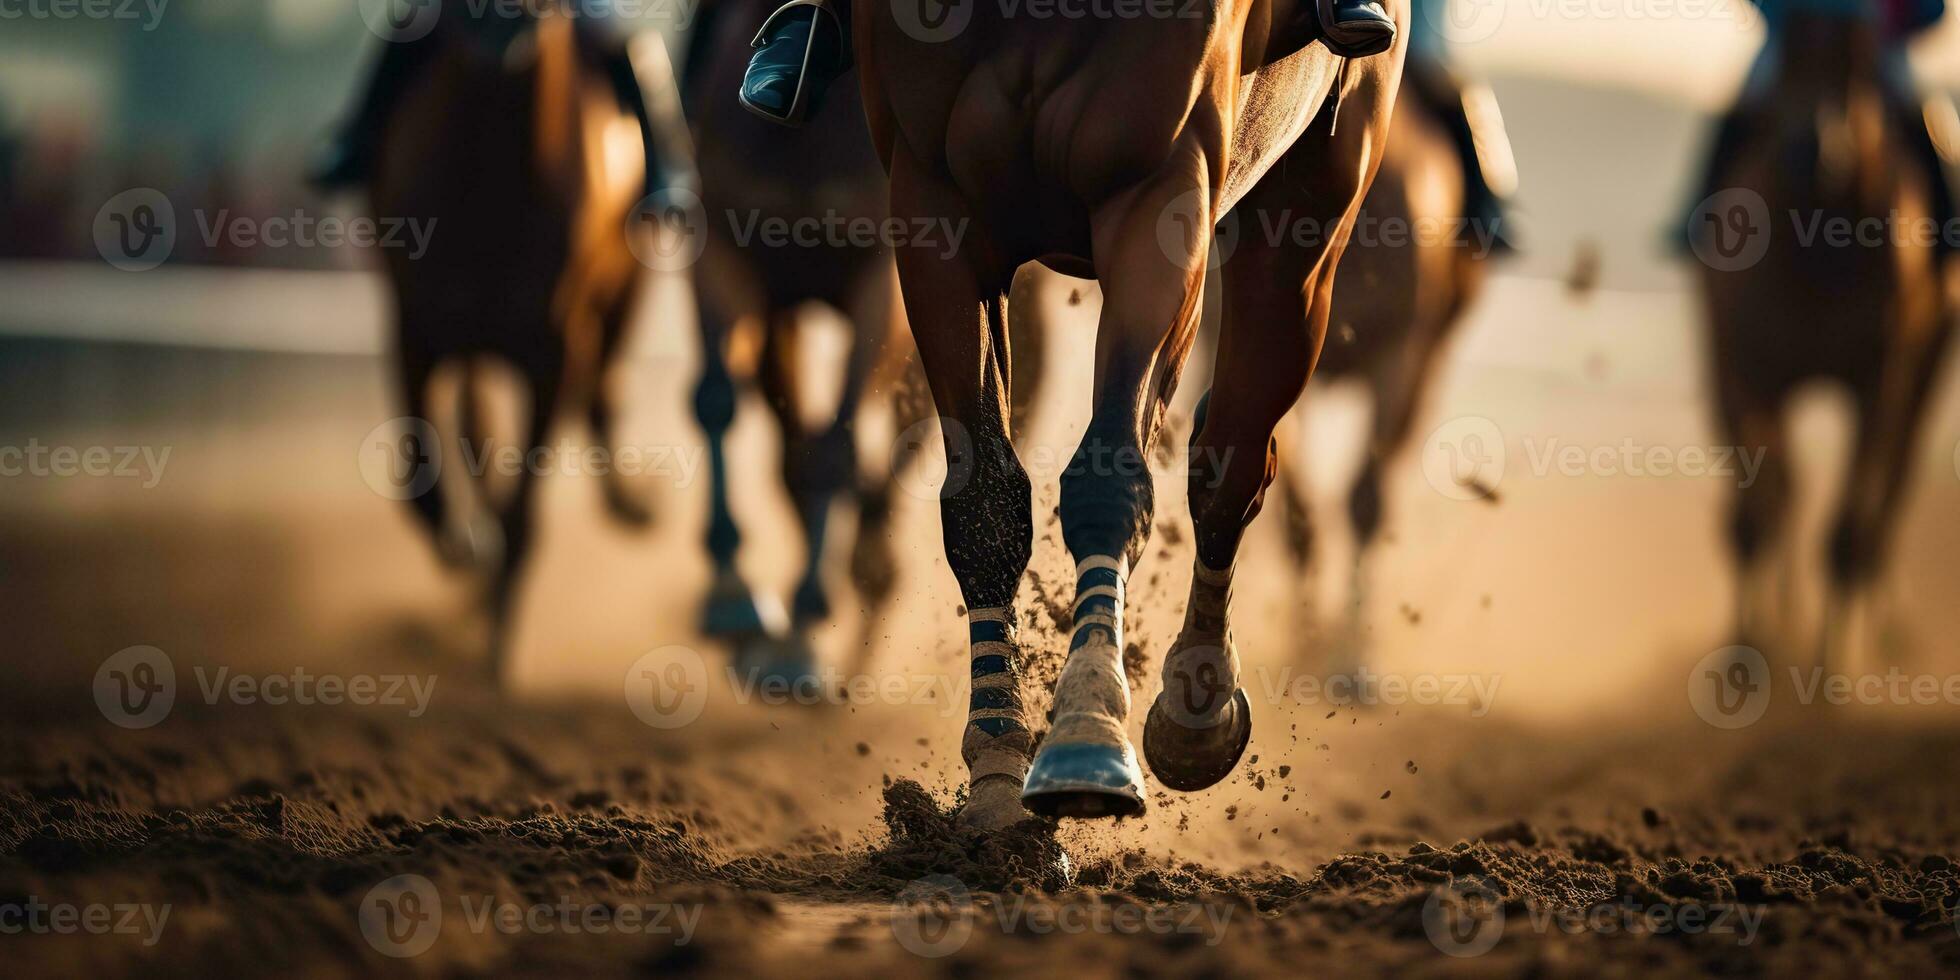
1405 282
1111 147
516 147
1822 150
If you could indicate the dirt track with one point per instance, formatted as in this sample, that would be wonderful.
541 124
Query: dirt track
794 839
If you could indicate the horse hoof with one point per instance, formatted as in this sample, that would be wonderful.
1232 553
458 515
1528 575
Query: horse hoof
476 544
1187 758
810 603
780 669
1084 779
734 611
995 804
629 510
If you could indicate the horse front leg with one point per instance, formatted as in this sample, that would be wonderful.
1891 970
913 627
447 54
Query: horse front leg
957 308
1151 302
1277 298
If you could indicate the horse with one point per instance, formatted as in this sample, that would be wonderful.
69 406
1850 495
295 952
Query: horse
1110 148
1823 149
1403 289
793 219
514 145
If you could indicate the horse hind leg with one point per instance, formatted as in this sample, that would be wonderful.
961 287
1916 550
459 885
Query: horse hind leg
412 459
1889 415
1758 521
886 359
732 610
517 514
817 468
624 502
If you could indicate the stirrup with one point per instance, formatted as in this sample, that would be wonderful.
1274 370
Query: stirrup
1354 40
802 103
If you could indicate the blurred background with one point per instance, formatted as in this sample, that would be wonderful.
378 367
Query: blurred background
239 388
263 368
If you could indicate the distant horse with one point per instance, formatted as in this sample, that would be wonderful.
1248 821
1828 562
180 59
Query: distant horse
793 219
1821 149
1111 147
515 145
1403 288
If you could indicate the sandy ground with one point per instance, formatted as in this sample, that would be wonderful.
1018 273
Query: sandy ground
1580 794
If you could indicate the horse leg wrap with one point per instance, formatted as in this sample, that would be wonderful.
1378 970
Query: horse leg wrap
1086 766
997 744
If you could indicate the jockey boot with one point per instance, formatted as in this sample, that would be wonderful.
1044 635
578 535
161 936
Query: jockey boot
800 51
1355 28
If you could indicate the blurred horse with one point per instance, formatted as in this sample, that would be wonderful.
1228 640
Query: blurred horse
1402 292
794 219
1822 149
1111 148
514 144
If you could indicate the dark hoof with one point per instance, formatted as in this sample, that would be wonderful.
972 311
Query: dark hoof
733 610
1084 780
783 670
629 509
810 603
1187 758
